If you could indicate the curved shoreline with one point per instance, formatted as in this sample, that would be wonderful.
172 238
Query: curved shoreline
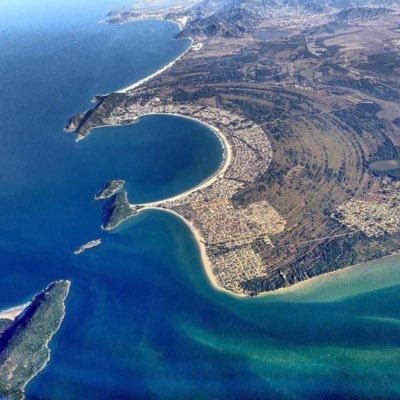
210 119
199 240
158 72
233 171
326 277
270 296
225 163
223 167
12 313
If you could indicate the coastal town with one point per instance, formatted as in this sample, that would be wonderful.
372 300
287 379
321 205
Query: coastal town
258 155
228 232
309 130
377 214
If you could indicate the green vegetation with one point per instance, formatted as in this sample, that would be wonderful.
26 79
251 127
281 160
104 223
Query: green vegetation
109 189
116 211
326 94
24 348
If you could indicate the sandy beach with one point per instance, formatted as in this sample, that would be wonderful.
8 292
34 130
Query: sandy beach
227 160
160 71
327 277
203 253
13 313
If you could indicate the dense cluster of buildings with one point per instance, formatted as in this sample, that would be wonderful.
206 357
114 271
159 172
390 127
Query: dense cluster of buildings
375 216
228 231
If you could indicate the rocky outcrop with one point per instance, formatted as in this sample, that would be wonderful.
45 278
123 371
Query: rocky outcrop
116 211
109 189
90 245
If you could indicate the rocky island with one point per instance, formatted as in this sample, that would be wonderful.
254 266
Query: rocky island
117 210
109 189
310 121
87 246
25 336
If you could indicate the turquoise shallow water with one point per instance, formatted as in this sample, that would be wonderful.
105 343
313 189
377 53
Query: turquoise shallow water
142 320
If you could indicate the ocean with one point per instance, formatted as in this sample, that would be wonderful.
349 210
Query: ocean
143 321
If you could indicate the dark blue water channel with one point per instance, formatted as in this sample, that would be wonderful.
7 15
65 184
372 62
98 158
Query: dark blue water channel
142 319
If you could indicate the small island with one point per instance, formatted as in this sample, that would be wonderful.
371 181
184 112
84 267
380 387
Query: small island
109 189
24 338
117 210
87 246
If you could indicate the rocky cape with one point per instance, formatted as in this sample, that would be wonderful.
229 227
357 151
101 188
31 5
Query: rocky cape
24 350
109 189
116 211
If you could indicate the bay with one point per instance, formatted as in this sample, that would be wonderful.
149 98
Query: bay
142 319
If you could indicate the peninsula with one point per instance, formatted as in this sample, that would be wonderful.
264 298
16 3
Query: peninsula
117 210
305 97
109 189
25 333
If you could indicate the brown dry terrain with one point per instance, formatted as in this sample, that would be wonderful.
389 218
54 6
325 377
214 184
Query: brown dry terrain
327 95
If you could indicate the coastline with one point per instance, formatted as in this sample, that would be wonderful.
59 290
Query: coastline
226 162
272 295
202 252
224 165
325 277
158 72
82 137
200 243
148 78
109 230
14 312
48 340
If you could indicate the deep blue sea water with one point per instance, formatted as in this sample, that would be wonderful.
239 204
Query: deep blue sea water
142 320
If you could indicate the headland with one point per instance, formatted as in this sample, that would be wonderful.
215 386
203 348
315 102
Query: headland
301 121
24 341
